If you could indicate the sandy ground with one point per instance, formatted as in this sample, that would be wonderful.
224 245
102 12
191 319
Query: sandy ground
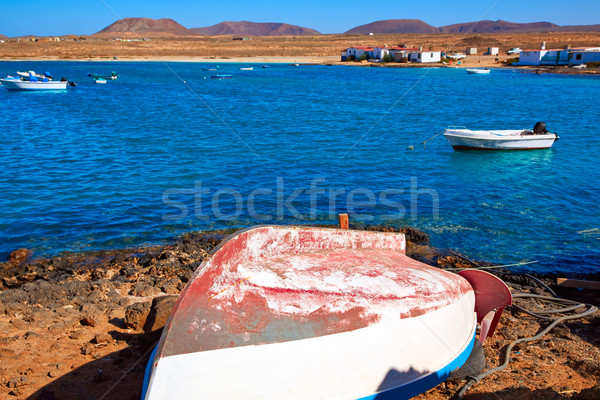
82 325
325 48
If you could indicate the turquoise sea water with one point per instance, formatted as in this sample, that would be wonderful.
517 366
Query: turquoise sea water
148 156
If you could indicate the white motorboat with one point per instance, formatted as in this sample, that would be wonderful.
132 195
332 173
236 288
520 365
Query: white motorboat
479 71
100 80
14 84
461 138
246 68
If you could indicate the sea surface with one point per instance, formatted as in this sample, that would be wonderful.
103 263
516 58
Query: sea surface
165 149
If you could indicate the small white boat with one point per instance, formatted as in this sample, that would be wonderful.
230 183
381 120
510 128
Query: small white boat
14 84
100 80
313 313
479 71
461 138
246 68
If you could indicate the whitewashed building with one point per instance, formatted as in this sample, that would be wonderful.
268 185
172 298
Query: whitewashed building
357 52
543 56
425 56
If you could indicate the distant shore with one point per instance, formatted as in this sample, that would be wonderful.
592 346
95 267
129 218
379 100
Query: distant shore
471 62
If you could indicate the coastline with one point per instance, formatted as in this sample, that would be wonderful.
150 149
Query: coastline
474 62
74 324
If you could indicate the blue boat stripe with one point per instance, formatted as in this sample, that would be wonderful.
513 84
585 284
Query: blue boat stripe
427 382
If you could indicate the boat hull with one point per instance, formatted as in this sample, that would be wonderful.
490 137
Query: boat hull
296 313
478 71
33 86
484 140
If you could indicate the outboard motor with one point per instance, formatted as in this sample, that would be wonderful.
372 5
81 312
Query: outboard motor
540 128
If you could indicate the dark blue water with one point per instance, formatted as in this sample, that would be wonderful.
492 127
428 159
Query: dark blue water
165 149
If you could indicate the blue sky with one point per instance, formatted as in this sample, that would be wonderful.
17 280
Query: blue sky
60 17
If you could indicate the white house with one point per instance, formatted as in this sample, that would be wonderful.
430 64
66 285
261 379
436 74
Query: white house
359 51
425 56
380 52
582 56
493 51
567 56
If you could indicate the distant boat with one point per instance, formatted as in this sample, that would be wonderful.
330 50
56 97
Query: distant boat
222 76
246 68
17 84
113 75
25 75
266 66
478 70
461 138
210 68
303 313
100 80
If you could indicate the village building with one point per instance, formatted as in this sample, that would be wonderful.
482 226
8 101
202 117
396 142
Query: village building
543 56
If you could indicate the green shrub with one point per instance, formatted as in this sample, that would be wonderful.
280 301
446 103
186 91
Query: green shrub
593 64
363 57
387 58
510 61
351 58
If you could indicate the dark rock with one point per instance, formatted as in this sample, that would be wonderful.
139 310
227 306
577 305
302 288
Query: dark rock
136 314
159 313
18 256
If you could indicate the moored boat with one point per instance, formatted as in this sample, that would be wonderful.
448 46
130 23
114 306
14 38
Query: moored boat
100 81
222 76
301 312
246 68
14 84
478 71
461 138
113 75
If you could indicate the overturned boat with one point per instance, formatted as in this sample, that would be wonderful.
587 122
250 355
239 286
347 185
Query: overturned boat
315 313
461 138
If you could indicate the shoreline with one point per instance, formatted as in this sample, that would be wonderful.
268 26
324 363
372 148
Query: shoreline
74 324
323 60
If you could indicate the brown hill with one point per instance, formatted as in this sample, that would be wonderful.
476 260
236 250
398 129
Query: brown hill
395 26
499 26
579 28
147 27
3 37
254 29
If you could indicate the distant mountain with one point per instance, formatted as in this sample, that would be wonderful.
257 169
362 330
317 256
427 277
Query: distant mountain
147 27
499 26
255 29
395 26
486 26
579 28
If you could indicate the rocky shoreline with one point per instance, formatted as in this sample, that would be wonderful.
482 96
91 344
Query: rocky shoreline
82 325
